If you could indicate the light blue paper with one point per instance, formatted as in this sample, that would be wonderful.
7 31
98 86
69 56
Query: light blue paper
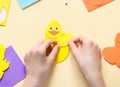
25 3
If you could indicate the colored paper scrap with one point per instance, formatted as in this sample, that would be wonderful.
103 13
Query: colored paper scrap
112 54
4 65
25 3
54 32
16 71
94 4
4 8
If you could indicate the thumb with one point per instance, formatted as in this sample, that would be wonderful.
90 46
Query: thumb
72 47
53 54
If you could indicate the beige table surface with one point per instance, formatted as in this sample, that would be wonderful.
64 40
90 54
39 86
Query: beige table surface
25 27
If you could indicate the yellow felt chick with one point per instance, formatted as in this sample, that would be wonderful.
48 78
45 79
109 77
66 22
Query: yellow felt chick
4 65
4 7
54 32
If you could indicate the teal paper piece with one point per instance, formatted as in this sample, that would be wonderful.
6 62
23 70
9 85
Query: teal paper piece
25 3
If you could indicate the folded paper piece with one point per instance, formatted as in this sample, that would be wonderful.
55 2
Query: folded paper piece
16 71
112 54
4 65
25 3
54 32
4 7
94 4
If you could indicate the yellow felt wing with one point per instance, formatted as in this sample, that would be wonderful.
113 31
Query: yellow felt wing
63 40
62 54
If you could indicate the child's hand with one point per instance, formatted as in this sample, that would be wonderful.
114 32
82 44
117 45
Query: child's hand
38 64
88 56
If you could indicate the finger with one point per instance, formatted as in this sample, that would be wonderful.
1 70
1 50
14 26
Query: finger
82 40
76 40
37 44
40 42
53 54
49 49
73 47
46 44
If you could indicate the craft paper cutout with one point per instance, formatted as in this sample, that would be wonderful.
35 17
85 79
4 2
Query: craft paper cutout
4 65
2 15
112 54
25 3
4 7
94 4
16 71
54 32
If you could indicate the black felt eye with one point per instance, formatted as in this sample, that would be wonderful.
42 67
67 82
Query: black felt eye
50 28
56 28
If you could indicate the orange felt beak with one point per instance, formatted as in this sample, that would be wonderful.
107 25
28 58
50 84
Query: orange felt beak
53 32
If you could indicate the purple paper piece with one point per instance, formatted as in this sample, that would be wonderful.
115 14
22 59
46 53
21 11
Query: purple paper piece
16 72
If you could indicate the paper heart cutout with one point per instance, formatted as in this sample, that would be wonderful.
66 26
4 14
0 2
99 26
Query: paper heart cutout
112 54
94 4
3 15
4 65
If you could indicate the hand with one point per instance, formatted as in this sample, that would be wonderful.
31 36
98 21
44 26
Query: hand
38 64
88 57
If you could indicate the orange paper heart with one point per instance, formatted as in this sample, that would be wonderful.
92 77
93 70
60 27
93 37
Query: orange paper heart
112 54
94 4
